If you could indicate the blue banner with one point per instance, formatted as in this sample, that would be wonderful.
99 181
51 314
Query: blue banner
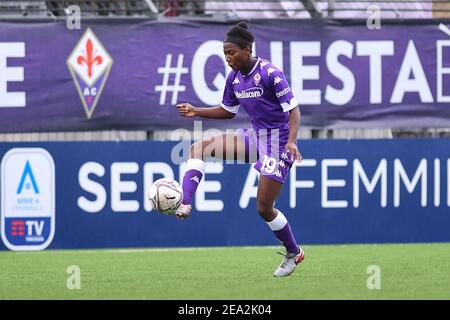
130 75
343 192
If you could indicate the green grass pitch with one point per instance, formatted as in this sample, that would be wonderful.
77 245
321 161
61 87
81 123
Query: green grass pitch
407 271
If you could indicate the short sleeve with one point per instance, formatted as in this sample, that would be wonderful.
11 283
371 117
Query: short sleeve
229 101
282 89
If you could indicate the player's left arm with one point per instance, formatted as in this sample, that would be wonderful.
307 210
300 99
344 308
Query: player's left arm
294 125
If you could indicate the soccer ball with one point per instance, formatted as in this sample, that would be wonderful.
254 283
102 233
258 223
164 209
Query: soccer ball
165 195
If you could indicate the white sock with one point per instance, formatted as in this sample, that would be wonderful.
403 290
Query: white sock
279 222
196 164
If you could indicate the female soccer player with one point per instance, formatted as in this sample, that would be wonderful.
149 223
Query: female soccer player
264 93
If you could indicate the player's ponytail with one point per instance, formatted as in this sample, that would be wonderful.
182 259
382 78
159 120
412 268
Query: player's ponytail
243 25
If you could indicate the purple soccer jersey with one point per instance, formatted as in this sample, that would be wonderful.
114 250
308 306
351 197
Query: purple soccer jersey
266 96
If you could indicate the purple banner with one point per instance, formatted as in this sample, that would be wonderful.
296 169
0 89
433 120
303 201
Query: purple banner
130 75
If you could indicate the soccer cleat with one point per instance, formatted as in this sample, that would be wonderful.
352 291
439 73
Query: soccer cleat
183 211
290 261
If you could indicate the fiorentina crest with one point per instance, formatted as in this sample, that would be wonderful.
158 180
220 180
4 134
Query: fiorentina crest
89 63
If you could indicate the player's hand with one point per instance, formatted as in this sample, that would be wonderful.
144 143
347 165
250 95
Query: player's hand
186 110
292 148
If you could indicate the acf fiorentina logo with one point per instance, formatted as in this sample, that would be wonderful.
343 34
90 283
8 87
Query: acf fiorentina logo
257 78
89 63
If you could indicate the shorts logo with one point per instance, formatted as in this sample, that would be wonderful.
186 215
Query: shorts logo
27 199
90 64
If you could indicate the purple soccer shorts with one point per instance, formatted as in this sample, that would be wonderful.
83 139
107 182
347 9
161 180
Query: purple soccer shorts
266 147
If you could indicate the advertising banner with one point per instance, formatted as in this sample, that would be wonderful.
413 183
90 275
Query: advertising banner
94 195
130 75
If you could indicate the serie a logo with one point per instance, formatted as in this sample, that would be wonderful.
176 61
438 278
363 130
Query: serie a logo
27 199
89 64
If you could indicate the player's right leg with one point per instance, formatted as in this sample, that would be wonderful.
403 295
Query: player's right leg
225 147
268 191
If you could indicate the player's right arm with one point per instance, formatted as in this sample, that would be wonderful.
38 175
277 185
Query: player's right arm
226 110
188 110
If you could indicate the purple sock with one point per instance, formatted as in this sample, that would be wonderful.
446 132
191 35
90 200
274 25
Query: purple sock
282 230
287 238
191 180
192 177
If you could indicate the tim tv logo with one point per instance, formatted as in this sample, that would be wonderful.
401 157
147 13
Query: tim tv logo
28 199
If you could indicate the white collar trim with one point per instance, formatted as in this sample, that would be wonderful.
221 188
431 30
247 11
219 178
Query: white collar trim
254 67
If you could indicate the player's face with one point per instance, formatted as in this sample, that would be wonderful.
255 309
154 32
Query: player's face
236 57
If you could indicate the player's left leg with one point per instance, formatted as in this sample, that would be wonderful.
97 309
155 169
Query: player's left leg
268 191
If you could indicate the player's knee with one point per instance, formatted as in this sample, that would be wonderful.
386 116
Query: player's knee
264 208
198 149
